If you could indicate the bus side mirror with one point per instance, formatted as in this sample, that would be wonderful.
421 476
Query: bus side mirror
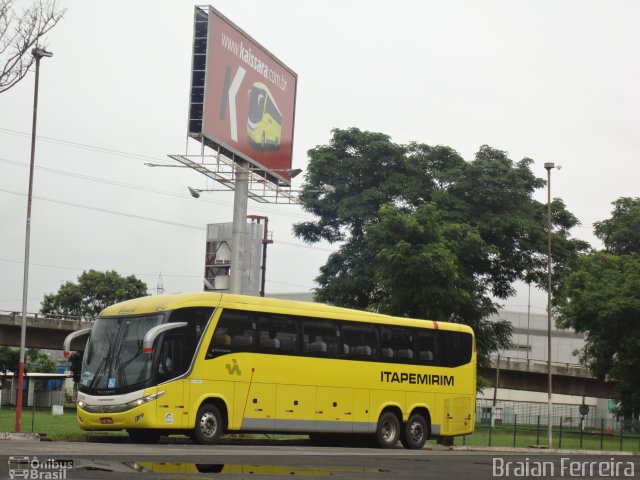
151 335
72 336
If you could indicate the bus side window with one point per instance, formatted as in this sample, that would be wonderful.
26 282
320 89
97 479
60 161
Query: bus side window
396 344
361 340
278 334
197 319
172 362
235 332
454 348
426 346
320 337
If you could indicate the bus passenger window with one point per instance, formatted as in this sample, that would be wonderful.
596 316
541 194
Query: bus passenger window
396 344
361 340
320 337
278 334
454 348
235 332
426 346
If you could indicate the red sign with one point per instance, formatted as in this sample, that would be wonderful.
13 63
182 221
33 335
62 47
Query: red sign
249 98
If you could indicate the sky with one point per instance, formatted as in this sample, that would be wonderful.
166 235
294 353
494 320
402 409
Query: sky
555 81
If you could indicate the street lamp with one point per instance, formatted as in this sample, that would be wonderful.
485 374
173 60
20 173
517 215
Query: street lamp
549 166
37 53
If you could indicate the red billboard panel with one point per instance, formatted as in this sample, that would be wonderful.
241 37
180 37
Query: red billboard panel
243 95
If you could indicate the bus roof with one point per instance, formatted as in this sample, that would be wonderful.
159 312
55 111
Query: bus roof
158 303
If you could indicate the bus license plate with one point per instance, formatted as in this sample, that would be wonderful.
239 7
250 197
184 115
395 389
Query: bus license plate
106 420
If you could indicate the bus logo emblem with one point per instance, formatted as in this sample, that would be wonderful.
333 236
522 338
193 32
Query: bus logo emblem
235 369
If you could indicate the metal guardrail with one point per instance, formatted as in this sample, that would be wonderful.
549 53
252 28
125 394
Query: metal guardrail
68 318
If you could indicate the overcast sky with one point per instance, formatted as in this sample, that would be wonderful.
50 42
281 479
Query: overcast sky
556 81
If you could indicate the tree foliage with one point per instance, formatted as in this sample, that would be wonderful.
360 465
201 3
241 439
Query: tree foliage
426 234
600 297
37 361
19 33
9 360
621 233
93 292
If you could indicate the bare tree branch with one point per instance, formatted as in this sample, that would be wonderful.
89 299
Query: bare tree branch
19 33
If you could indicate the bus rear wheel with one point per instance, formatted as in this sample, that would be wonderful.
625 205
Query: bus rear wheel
208 425
388 430
143 436
415 432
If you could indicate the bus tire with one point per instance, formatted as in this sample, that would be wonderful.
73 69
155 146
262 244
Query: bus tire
208 426
388 430
143 435
415 432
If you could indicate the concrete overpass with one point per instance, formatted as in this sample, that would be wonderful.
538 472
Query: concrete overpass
531 375
42 332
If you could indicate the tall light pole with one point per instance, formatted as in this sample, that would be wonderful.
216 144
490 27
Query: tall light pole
37 53
549 166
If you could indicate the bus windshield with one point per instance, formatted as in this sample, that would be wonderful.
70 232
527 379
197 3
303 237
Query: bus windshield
114 358
256 104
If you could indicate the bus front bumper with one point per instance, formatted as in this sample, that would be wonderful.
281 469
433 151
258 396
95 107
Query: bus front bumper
142 416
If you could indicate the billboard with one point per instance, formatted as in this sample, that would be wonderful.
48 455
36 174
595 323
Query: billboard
242 97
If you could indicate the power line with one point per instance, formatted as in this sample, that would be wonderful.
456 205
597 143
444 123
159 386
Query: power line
145 188
104 210
150 219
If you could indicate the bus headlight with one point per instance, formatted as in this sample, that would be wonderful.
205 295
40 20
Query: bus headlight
143 400
123 407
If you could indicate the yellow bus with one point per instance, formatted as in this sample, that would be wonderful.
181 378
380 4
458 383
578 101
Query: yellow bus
264 122
203 364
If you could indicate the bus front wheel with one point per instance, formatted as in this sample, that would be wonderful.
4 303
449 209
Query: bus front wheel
208 425
388 430
414 433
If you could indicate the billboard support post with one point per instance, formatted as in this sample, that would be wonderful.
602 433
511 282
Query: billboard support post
239 229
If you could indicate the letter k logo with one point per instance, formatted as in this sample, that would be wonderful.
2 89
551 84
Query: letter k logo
229 93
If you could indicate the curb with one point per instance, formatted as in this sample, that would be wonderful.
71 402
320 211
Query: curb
544 451
19 436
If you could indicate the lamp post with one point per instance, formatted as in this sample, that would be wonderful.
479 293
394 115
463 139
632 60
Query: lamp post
37 53
549 166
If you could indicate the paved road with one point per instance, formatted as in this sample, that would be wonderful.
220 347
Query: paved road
94 460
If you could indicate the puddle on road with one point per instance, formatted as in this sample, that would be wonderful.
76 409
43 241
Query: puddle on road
162 467
230 468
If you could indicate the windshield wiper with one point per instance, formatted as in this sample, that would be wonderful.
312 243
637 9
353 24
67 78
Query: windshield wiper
95 375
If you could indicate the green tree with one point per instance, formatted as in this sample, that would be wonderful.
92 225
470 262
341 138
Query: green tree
9 360
20 32
600 297
426 234
93 292
36 361
621 233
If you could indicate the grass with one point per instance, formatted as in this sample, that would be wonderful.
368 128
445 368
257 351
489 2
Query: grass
65 427
40 420
527 436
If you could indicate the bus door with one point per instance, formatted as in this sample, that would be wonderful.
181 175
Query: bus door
172 406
